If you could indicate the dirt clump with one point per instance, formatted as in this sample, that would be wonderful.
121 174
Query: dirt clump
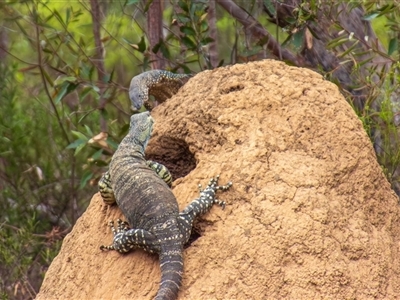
310 214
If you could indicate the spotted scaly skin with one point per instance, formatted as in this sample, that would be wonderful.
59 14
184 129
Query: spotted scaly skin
105 189
151 208
158 83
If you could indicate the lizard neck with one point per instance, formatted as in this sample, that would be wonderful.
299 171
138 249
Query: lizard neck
130 146
129 150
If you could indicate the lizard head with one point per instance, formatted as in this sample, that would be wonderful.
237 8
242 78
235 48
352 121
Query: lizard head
138 97
140 128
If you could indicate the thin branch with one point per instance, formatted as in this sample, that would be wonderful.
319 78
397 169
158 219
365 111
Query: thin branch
3 44
257 30
39 235
17 58
154 29
46 88
99 58
213 51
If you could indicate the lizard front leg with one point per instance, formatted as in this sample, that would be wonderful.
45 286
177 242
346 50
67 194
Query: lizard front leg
105 189
161 170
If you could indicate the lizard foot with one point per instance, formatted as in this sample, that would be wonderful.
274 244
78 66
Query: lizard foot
212 187
122 227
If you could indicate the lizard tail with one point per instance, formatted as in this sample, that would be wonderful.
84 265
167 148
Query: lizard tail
171 263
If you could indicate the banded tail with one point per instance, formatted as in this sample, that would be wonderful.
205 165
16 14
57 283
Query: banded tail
171 263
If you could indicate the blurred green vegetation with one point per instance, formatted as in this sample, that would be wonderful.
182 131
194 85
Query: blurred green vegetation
52 150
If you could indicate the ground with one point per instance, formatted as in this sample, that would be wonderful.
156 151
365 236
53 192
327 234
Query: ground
310 214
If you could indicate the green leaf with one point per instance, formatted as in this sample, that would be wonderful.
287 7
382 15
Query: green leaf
185 69
290 20
89 131
130 2
146 8
77 14
298 40
204 27
75 144
188 30
106 78
67 15
61 79
113 145
345 62
370 16
47 51
55 11
22 29
48 18
393 45
97 154
207 40
182 18
86 71
386 9
142 44
146 63
84 116
66 88
349 50
79 148
79 135
337 42
99 162
48 77
270 7
164 50
183 5
193 9
82 42
284 43
85 178
188 43
84 92
156 47
202 18
96 88
61 93
127 41
124 130
111 76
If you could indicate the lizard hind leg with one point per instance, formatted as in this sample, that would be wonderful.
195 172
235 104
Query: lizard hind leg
122 227
126 239
208 194
221 188
200 206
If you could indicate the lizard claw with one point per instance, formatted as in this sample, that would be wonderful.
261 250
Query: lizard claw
122 227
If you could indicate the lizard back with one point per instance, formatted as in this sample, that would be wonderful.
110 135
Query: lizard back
140 193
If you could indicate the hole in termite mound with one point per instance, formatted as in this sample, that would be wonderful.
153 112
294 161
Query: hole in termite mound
174 154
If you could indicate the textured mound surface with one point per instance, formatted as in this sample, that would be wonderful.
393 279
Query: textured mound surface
310 214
